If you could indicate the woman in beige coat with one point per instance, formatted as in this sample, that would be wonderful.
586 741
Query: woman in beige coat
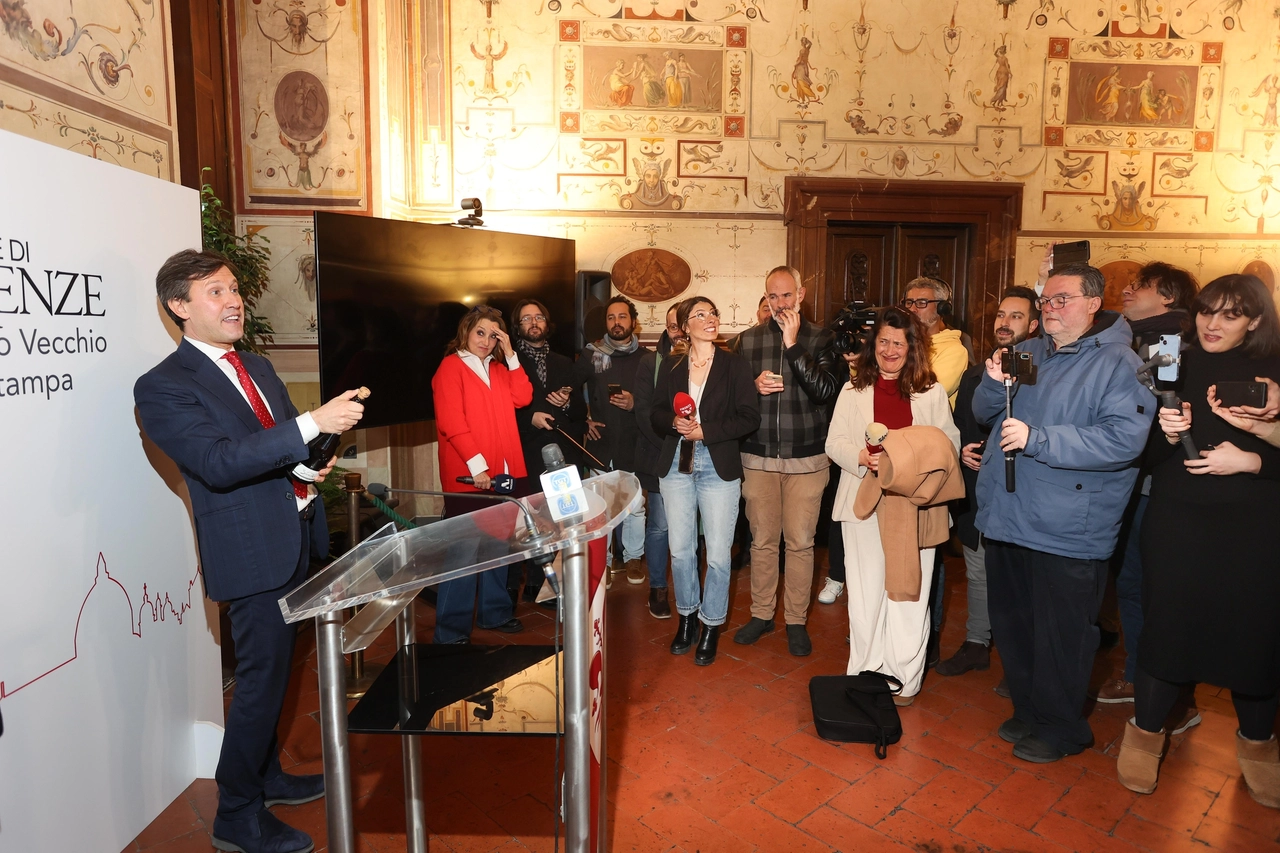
893 384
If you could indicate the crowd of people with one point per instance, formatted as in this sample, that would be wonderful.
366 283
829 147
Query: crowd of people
1067 486
1062 463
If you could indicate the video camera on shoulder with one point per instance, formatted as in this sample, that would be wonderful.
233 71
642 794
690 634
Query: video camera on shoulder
851 328
1018 365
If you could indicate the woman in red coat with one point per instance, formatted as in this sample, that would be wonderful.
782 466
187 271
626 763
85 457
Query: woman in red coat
477 389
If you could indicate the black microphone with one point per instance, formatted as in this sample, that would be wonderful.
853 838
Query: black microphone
553 457
502 484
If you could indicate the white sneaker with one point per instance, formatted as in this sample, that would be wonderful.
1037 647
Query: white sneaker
830 592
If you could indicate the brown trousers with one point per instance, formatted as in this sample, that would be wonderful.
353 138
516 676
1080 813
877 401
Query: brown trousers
786 506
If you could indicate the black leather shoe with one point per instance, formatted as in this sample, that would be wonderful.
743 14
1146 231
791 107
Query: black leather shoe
1037 751
659 608
752 631
511 626
968 656
287 790
1013 730
262 833
686 633
706 653
1002 689
798 642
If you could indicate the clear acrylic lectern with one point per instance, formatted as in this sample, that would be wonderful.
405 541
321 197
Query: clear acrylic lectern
383 575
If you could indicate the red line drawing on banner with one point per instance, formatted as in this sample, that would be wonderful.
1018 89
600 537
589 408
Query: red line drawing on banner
160 608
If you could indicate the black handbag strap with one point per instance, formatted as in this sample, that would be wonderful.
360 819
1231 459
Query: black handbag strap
864 700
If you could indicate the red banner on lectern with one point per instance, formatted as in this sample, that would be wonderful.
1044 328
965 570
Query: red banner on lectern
596 554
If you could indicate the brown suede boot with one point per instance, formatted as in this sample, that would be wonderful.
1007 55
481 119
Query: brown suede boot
1138 766
1260 762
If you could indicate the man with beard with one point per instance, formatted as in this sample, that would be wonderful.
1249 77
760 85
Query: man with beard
1156 303
554 405
611 425
1016 320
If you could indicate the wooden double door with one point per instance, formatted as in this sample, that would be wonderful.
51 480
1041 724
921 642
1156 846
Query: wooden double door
873 261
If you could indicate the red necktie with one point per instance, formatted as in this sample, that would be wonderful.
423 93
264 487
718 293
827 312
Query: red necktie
259 406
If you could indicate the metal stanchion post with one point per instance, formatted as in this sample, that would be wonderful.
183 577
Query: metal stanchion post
577 700
362 675
415 816
333 734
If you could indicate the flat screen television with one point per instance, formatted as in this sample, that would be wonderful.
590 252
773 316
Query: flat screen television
390 293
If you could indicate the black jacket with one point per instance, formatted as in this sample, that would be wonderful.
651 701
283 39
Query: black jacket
572 419
649 444
617 443
730 410
793 423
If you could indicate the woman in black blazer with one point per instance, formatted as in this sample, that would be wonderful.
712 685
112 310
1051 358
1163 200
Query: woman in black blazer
710 480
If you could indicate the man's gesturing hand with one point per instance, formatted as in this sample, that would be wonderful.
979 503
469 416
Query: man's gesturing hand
339 414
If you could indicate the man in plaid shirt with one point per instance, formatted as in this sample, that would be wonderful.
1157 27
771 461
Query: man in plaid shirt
785 463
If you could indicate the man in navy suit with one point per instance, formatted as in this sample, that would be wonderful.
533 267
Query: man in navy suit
226 420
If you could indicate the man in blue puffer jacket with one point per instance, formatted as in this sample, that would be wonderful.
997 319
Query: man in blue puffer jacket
1078 432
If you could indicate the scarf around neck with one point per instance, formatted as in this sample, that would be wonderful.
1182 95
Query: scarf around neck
602 351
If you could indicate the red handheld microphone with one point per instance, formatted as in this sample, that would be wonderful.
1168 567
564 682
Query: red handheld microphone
684 405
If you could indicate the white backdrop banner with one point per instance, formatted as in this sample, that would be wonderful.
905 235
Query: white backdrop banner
107 659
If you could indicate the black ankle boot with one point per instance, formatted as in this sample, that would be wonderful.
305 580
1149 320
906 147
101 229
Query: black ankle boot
706 653
686 633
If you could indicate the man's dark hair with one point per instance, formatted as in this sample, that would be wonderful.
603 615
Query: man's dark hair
173 281
1171 282
525 303
1020 292
622 300
1092 282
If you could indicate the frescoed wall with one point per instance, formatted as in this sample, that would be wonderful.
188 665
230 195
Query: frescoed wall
91 76
672 125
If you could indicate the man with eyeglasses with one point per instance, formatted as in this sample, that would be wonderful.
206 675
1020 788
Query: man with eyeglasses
1075 434
930 300
785 465
554 403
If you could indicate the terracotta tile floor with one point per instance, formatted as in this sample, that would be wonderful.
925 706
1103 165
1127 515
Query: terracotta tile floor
725 758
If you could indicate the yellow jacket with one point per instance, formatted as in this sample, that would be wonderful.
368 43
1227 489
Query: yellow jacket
949 360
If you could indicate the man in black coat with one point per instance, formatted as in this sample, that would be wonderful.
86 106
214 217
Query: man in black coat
1156 302
1016 320
611 426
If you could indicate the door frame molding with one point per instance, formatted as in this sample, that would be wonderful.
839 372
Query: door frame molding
993 211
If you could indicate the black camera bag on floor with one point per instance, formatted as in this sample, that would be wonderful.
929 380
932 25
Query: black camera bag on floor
857 709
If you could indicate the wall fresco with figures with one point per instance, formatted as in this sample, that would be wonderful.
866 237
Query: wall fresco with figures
1122 119
91 76
299 83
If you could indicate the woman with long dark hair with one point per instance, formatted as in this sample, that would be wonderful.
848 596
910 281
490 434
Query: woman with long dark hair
703 468
892 384
1209 544
477 389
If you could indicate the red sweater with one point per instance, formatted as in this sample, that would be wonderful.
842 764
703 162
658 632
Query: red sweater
472 418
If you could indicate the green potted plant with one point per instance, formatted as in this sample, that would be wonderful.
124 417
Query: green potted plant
250 258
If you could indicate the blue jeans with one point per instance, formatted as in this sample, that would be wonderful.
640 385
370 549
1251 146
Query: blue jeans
633 534
686 496
655 539
1129 587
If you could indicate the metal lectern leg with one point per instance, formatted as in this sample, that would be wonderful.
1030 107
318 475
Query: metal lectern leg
415 818
333 733
577 701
